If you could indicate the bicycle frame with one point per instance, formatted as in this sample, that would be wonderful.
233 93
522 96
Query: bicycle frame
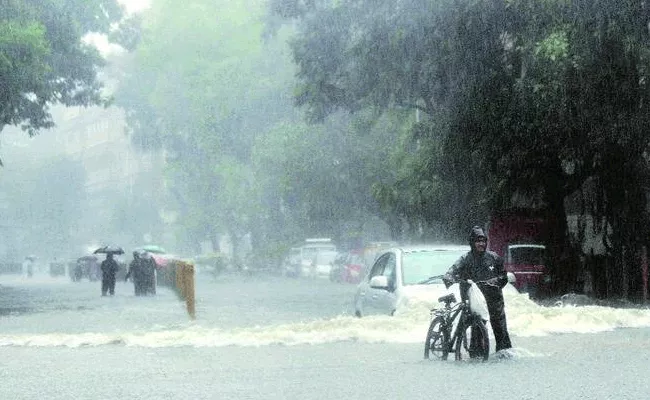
452 317
455 317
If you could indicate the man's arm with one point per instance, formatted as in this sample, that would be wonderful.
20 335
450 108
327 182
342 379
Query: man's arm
454 271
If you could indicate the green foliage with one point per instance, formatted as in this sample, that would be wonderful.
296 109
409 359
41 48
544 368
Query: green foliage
554 47
322 174
204 95
43 60
527 102
519 103
413 54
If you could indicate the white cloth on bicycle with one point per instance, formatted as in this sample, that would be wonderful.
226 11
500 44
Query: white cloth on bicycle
477 302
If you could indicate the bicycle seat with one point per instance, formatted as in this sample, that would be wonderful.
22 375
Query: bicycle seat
448 299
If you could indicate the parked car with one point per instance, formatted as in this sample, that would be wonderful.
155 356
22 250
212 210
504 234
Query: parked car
528 263
399 276
323 263
86 267
314 258
348 267
213 263
518 236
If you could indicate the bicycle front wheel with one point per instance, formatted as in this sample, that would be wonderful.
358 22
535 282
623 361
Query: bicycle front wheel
436 346
472 341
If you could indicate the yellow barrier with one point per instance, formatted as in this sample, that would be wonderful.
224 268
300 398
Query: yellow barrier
179 276
182 282
185 284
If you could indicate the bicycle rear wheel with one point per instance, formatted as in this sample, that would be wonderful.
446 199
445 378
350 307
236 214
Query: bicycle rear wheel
436 346
473 342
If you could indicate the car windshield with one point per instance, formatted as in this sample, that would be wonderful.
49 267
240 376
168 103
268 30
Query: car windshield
532 255
417 266
312 252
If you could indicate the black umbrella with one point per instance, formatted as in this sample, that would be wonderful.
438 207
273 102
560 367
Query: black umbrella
109 250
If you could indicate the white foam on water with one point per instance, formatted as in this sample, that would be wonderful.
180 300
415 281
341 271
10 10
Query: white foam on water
161 322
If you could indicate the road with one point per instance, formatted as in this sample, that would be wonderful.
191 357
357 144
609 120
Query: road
279 338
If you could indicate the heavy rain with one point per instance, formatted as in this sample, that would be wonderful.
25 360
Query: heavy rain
264 199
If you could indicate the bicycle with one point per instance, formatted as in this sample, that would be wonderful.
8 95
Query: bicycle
455 328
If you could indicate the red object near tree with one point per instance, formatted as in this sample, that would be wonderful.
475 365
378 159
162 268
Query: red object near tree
520 237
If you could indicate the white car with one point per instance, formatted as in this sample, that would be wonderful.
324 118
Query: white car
401 274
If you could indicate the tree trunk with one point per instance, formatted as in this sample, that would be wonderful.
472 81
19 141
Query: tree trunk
564 261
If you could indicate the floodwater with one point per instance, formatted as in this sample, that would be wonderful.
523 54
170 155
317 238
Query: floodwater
265 337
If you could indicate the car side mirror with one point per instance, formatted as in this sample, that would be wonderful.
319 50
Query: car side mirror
511 278
379 282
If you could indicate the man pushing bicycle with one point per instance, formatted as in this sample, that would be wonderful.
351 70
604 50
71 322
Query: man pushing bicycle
486 269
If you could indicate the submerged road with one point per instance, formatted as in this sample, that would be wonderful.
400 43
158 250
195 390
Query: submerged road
278 338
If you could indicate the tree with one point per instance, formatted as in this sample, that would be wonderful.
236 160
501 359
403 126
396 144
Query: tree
316 179
399 55
568 99
527 102
44 59
203 96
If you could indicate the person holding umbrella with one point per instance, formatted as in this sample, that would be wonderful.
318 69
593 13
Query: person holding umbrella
109 269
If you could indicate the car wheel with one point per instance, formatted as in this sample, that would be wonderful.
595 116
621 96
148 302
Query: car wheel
357 313
392 313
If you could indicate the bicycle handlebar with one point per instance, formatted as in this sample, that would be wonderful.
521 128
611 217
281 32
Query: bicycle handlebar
469 281
487 284
455 280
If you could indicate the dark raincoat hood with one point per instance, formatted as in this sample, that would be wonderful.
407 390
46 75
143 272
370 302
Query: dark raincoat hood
475 233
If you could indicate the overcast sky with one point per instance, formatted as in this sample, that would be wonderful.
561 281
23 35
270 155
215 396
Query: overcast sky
135 5
102 42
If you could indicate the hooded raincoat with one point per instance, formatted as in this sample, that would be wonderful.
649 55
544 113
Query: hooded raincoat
483 266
